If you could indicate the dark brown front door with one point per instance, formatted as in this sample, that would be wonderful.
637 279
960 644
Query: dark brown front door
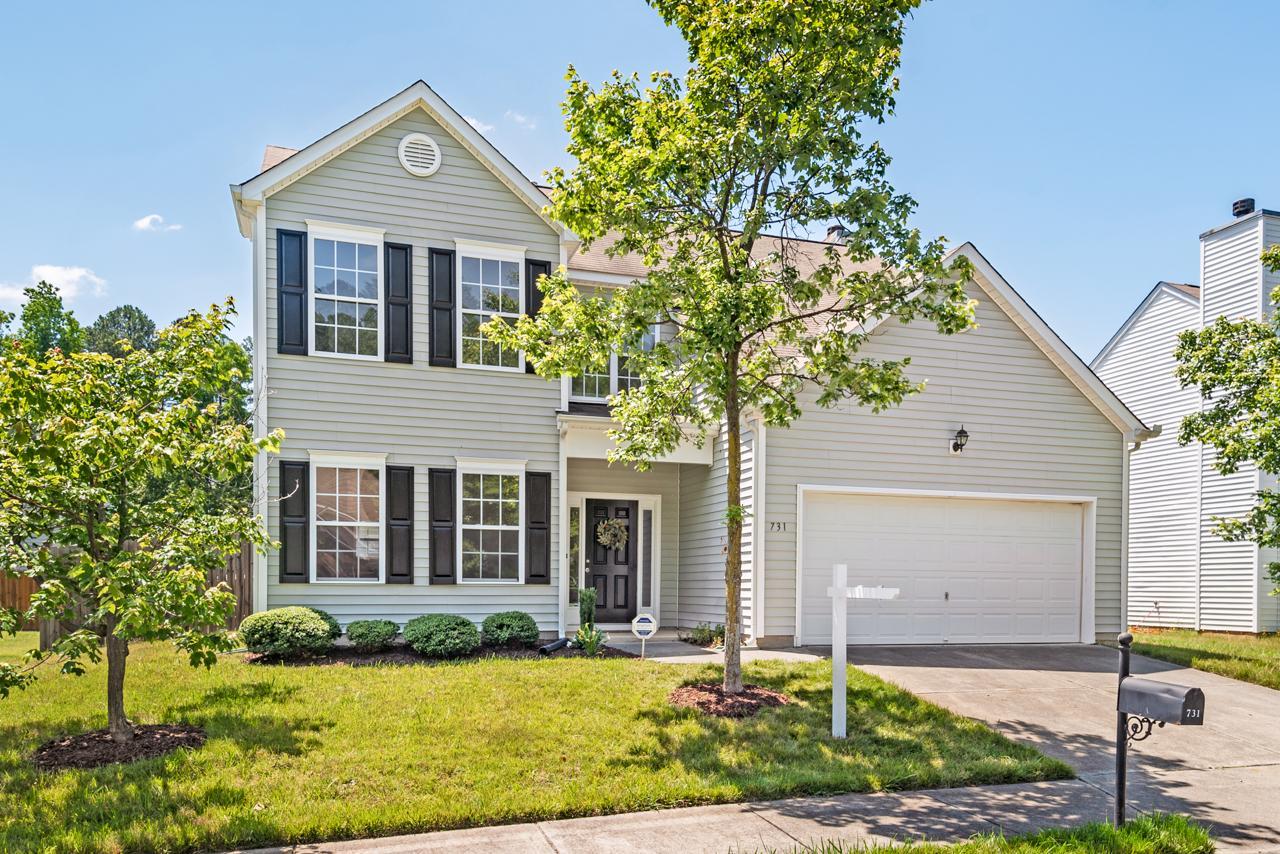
612 572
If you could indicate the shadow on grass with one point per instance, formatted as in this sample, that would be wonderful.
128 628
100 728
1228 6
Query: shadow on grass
149 803
895 742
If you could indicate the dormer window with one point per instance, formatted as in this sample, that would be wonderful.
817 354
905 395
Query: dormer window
596 387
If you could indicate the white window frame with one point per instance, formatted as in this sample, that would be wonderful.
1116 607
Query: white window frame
613 374
491 252
351 459
481 465
318 230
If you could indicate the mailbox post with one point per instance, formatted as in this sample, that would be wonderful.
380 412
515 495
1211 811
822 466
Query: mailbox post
1141 705
840 593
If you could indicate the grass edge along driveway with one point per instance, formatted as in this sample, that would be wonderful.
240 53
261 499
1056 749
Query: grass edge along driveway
1249 658
1155 834
299 754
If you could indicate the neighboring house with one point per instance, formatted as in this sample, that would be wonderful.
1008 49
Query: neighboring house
426 470
1180 572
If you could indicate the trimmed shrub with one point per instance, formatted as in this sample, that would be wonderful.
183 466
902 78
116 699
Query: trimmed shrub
286 633
371 635
335 631
509 628
442 635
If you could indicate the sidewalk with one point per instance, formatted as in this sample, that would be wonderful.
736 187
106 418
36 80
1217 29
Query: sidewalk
940 814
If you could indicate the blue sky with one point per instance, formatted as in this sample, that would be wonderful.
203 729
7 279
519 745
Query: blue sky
1082 146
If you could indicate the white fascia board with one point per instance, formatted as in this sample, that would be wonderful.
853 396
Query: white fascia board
1071 365
591 277
1161 287
419 95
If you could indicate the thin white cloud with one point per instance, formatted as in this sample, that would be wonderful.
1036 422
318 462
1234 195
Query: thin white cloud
483 127
154 222
71 282
521 119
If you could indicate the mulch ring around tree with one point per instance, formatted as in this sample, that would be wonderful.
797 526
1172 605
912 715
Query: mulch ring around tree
350 657
712 700
92 749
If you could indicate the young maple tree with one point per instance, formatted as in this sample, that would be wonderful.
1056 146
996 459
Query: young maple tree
1236 366
703 176
106 473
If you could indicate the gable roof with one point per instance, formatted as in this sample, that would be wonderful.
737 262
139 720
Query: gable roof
275 154
1189 294
277 175
1072 366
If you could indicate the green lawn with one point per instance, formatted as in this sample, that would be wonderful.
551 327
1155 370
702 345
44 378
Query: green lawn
311 753
1249 658
1148 835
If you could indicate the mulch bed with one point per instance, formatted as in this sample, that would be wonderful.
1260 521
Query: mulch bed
92 749
347 656
712 700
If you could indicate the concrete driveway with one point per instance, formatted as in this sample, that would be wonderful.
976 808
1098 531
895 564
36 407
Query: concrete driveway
1062 700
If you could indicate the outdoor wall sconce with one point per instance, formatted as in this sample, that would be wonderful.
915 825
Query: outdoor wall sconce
961 439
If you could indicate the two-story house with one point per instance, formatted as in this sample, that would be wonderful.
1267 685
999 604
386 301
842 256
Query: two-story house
426 469
1182 574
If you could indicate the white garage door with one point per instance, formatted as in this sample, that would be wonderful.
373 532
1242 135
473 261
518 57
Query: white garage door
970 570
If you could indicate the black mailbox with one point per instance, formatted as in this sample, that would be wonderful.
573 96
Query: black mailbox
1160 701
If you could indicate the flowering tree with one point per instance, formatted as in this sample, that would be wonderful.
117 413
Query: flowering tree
88 437
764 134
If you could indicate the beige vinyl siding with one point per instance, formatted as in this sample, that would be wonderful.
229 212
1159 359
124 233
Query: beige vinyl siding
703 500
1164 477
416 414
598 476
1032 431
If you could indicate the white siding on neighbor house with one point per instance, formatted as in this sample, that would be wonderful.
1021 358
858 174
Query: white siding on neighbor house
1232 286
1230 272
703 501
1268 605
598 476
1032 431
1164 477
416 414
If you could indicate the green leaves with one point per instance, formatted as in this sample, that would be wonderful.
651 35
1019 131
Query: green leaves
112 486
1235 364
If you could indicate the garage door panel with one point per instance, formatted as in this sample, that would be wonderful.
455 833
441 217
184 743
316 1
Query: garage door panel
970 570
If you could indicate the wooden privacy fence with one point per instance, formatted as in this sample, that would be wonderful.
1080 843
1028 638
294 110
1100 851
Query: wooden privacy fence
237 574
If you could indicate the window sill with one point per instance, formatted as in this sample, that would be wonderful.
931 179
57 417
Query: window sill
495 368
351 357
494 582
347 581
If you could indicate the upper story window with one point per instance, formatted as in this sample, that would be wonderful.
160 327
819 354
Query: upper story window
346 290
491 280
595 387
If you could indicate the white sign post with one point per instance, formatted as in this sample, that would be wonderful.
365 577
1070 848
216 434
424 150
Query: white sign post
840 593
644 626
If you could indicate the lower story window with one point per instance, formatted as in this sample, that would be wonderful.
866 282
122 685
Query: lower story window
490 527
348 520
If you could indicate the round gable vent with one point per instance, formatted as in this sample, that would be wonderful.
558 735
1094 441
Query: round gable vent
419 155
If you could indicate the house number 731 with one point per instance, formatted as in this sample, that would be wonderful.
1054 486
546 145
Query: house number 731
777 527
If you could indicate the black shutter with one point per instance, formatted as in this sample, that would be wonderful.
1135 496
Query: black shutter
398 342
537 531
295 522
399 524
291 292
442 346
441 503
533 296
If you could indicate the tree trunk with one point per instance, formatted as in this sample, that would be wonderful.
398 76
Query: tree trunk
117 654
733 520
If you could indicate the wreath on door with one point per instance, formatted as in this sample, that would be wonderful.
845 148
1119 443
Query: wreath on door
611 533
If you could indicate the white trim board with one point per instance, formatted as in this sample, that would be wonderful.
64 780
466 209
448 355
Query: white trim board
1088 539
